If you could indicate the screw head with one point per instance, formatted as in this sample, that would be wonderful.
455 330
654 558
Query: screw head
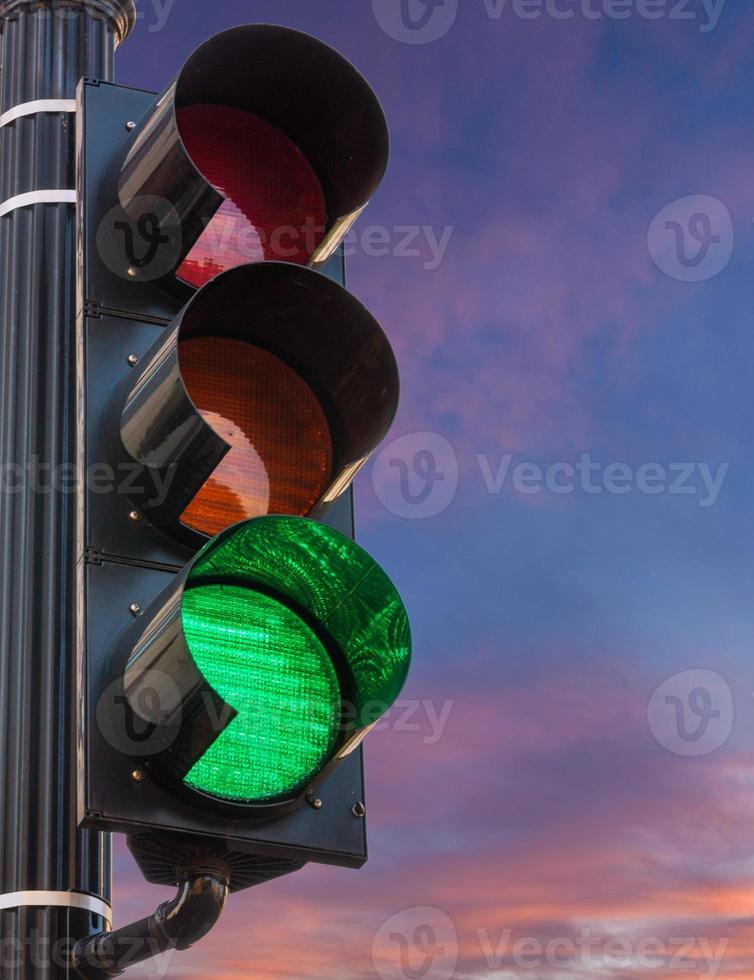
130 125
138 775
359 810
314 801
132 272
133 360
134 516
135 609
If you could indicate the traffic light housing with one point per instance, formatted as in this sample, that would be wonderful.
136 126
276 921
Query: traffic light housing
237 644
265 394
258 669
285 125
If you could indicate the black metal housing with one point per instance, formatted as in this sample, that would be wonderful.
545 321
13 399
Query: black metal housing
131 560
295 82
113 799
104 113
162 856
310 323
160 709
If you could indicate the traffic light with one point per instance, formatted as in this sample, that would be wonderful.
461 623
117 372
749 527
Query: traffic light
257 668
265 394
266 133
237 644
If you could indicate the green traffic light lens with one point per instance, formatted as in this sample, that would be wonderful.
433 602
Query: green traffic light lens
266 663
305 642
340 587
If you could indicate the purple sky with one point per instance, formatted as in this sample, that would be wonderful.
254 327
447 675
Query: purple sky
579 375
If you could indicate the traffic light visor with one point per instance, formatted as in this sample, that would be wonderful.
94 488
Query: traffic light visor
262 665
267 146
264 396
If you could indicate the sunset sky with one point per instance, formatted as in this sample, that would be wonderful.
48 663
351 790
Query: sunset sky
531 788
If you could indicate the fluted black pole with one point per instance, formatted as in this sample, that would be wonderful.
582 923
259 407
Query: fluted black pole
45 47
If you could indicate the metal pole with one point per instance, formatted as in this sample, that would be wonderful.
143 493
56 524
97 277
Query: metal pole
45 47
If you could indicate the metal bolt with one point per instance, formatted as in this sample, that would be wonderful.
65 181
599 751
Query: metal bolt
138 776
314 801
130 125
134 516
359 810
133 360
135 608
132 272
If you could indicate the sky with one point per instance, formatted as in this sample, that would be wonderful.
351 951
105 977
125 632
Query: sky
566 790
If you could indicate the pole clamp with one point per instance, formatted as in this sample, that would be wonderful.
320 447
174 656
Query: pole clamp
59 900
52 196
55 196
32 108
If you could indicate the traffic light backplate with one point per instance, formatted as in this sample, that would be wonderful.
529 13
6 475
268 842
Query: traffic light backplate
128 562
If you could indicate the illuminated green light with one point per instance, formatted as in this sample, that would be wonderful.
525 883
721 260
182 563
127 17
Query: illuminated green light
271 668
306 642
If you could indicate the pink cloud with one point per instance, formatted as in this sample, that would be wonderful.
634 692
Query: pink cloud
551 810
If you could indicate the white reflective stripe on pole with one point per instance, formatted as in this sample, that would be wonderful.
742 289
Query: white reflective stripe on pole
58 900
37 197
41 105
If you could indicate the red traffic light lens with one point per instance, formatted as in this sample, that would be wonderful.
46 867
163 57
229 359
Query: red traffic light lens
281 456
274 206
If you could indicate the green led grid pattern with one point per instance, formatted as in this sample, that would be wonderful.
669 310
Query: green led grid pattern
339 585
269 666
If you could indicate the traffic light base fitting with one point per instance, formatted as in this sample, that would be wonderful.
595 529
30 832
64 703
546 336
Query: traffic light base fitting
203 889
162 857
205 875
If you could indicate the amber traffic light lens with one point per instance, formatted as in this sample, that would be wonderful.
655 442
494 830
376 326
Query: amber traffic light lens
274 205
281 458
